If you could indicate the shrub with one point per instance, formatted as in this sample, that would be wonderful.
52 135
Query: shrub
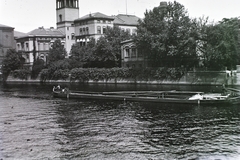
21 74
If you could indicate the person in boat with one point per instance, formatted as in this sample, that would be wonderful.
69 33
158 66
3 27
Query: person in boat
65 90
224 90
58 88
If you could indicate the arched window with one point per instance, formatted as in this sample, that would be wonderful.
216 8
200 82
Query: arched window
134 52
127 52
60 18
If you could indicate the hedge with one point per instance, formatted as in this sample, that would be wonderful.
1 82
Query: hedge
97 74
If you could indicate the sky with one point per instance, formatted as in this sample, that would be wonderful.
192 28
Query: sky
27 15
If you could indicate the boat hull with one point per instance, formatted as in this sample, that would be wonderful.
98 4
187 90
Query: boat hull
122 97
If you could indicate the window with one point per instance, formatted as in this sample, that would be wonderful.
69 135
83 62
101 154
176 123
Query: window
98 21
98 29
22 46
46 46
84 31
60 18
73 36
18 46
127 52
134 52
87 30
27 47
104 30
128 30
80 31
68 28
134 31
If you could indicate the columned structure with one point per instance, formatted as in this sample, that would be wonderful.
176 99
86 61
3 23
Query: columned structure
66 12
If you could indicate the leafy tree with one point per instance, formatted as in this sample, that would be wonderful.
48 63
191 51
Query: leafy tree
38 65
105 52
221 48
114 36
56 52
82 54
103 56
167 36
11 62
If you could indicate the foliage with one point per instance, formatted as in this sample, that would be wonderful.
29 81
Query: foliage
21 74
114 36
44 75
167 36
105 74
11 61
61 74
56 52
103 53
81 53
220 46
38 65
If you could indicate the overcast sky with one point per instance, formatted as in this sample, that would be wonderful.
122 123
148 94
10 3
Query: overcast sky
26 15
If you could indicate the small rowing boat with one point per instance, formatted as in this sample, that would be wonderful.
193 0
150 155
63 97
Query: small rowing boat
173 96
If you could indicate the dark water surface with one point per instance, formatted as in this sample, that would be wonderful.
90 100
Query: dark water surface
33 125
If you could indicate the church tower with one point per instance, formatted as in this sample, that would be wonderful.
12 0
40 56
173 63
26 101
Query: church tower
66 12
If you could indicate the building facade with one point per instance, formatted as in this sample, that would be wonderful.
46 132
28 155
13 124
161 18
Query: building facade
131 56
36 44
91 26
66 12
6 40
70 29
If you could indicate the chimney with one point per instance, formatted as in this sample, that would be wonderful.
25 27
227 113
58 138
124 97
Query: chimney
163 4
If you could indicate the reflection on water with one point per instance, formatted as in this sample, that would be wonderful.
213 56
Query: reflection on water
33 125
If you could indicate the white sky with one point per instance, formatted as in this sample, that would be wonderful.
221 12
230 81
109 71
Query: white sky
26 15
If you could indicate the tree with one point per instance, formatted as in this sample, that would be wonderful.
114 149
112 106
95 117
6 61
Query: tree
105 52
167 36
11 62
104 56
114 36
38 65
56 52
221 48
81 53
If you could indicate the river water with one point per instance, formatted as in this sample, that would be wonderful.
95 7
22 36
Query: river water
33 125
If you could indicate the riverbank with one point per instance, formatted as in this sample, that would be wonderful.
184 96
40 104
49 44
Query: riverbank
191 78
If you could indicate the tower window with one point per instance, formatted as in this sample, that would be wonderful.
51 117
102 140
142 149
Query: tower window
60 18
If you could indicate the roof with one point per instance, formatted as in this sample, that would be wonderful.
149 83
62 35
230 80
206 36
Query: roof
45 32
96 15
124 19
19 34
48 32
4 26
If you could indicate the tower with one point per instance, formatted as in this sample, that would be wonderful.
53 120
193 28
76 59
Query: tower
66 12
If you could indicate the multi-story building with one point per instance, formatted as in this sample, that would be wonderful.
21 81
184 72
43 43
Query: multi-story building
36 43
6 40
92 26
66 12
70 29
